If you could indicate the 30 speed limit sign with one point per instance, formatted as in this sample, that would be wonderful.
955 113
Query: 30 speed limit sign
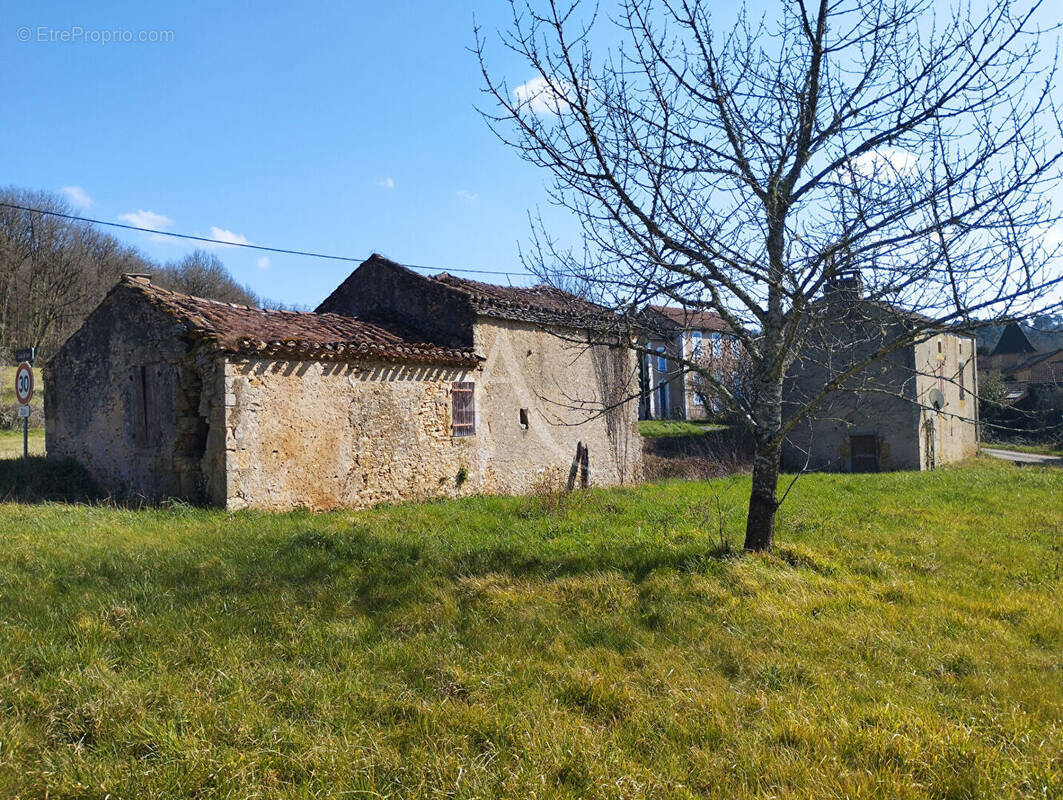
24 383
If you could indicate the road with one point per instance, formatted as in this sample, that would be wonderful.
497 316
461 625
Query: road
1023 458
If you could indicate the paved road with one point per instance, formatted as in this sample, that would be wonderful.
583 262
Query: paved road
1023 458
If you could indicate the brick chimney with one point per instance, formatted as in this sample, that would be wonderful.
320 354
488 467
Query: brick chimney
844 285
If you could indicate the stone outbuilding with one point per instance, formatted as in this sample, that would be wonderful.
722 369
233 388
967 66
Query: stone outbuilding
915 408
399 387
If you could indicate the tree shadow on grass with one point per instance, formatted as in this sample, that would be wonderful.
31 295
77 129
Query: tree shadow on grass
43 480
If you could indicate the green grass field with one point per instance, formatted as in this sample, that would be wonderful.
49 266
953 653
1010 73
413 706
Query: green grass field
658 428
11 443
905 640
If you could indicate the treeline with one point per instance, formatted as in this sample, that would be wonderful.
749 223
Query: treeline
54 271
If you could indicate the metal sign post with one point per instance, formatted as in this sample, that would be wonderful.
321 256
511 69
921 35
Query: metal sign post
24 393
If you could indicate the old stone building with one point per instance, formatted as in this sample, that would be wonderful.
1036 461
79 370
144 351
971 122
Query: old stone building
916 408
400 387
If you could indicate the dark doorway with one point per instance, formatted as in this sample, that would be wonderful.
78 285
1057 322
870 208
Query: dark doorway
863 452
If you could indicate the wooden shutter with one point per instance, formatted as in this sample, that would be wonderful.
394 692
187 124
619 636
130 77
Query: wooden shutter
463 409
864 453
144 406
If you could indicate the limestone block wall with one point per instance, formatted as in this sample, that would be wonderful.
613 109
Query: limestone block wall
325 435
330 435
822 440
948 363
562 386
910 433
143 440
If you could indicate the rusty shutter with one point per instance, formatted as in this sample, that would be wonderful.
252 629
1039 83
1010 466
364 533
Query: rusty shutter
463 409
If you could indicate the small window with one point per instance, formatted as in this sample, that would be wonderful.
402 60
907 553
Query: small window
662 362
717 346
524 419
695 344
963 382
462 409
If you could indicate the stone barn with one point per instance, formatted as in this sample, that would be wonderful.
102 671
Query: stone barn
450 390
916 408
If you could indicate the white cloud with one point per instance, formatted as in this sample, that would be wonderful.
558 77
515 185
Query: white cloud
540 97
465 194
263 263
386 183
885 163
146 219
1052 236
227 236
77 196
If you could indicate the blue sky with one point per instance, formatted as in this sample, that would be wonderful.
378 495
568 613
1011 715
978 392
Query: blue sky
338 127
347 128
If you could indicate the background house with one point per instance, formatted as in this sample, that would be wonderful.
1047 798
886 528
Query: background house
667 389
1022 380
448 389
915 408
1022 365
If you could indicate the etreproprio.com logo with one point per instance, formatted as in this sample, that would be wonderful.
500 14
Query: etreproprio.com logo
76 34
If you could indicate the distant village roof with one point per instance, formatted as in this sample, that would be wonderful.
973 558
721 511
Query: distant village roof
691 320
1013 340
300 335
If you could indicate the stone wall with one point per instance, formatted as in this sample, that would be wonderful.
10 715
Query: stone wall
382 291
324 435
563 386
125 397
150 413
947 363
822 440
890 400
327 435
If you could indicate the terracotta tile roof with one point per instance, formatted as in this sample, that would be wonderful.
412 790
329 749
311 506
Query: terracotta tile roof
540 304
691 320
299 335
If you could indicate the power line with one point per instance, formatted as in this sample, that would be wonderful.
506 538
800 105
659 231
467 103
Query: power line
250 246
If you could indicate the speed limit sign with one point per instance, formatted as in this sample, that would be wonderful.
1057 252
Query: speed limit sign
24 383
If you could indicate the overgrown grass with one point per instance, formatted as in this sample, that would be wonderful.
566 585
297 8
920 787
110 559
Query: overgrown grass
904 641
657 428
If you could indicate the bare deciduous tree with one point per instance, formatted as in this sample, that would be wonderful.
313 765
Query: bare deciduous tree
203 274
741 170
54 270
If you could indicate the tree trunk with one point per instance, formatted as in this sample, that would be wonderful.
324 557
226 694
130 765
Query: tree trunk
763 501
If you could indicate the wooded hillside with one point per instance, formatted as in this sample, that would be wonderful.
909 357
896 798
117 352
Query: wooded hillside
54 271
